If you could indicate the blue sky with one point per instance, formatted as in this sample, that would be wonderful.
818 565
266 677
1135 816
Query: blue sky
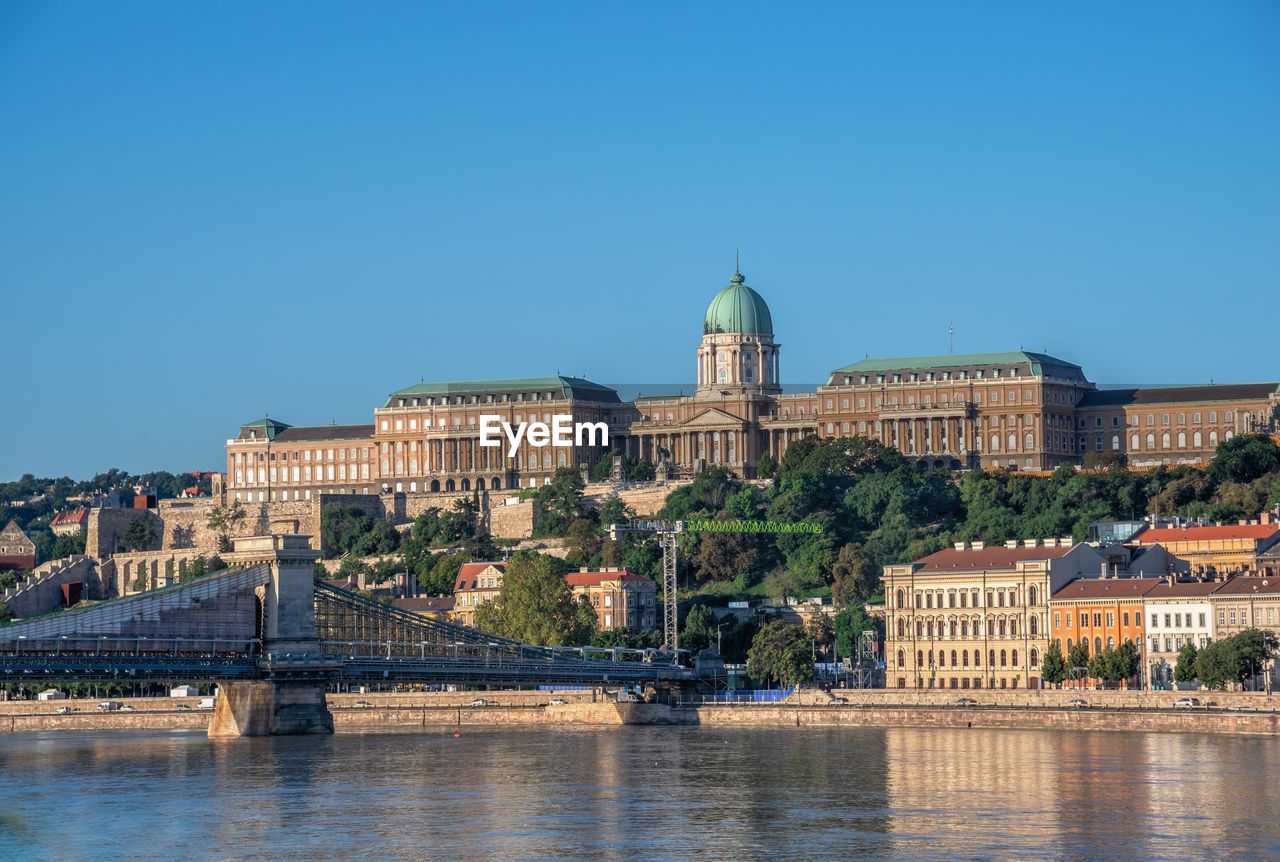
211 212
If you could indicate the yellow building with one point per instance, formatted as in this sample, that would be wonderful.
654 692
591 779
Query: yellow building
1219 550
976 615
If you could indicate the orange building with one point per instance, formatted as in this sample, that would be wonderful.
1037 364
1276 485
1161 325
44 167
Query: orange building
1103 612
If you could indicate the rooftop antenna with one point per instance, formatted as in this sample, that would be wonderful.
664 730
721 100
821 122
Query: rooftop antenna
737 261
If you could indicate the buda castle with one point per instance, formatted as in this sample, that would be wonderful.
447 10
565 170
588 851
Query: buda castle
1016 410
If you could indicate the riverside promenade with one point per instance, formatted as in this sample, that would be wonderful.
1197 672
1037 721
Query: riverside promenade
1232 713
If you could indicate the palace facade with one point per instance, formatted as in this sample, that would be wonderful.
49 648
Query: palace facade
1016 410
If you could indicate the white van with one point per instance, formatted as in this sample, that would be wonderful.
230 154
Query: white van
205 703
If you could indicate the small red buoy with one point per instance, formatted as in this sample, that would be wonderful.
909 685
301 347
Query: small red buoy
456 733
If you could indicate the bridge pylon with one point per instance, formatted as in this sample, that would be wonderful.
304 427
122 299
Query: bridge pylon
291 700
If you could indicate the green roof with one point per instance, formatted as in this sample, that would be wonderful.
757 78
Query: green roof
569 387
738 308
1038 362
270 426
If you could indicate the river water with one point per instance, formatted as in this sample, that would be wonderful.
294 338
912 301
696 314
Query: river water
636 792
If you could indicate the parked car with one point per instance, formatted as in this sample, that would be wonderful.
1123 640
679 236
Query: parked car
108 706
127 708
1078 703
183 707
206 703
363 704
63 710
479 701
558 701
965 701
1186 703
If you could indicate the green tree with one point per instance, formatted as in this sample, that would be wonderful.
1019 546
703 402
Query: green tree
439 578
699 629
560 502
766 466
1245 457
1185 669
850 623
1123 662
1100 666
854 576
6 613
225 520
1217 664
536 605
140 535
583 543
1078 657
1053 668
781 652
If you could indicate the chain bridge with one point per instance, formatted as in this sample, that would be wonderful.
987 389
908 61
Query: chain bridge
274 638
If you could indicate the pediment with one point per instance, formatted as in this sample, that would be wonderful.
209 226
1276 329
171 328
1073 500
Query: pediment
712 417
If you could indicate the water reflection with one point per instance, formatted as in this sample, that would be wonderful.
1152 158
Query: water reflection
628 793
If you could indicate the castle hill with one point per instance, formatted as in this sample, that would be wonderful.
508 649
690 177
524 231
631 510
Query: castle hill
754 431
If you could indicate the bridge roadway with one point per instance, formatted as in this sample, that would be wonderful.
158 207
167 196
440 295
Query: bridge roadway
54 661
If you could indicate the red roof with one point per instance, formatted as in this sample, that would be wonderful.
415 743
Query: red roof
75 516
1248 585
470 571
995 557
595 579
1183 589
1106 588
1165 535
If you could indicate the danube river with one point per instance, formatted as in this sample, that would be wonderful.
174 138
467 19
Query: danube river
637 792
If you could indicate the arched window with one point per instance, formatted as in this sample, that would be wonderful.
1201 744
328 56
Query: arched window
995 442
919 658
942 658
902 627
1035 626
1014 656
991 658
977 658
1013 442
1197 440
1068 644
1213 438
953 658
1151 441
1035 658
1111 643
964 658
900 599
1164 440
1133 443
1115 442
1013 628
902 659
1182 439
1097 646
1029 441
1031 595
1004 659
964 628
1228 435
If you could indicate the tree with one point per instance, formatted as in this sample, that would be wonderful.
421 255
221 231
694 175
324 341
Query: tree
1217 664
560 502
140 534
1185 669
766 466
536 605
699 629
1078 656
1053 668
584 542
1123 662
224 520
1100 667
438 578
6 613
1254 648
854 577
850 623
781 652
1245 458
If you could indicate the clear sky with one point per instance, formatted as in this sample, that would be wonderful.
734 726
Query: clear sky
208 212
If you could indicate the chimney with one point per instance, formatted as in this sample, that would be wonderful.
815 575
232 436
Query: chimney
582 569
962 546
1244 522
1066 542
1011 543
978 546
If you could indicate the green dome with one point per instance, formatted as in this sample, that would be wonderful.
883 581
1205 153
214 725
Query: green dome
738 308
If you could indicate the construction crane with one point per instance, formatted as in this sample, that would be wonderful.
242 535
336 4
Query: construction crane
667 532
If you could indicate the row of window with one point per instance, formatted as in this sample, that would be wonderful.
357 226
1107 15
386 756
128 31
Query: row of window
1007 658
967 598
301 455
963 629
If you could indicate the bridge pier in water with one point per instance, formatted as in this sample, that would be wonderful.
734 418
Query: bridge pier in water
288 702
